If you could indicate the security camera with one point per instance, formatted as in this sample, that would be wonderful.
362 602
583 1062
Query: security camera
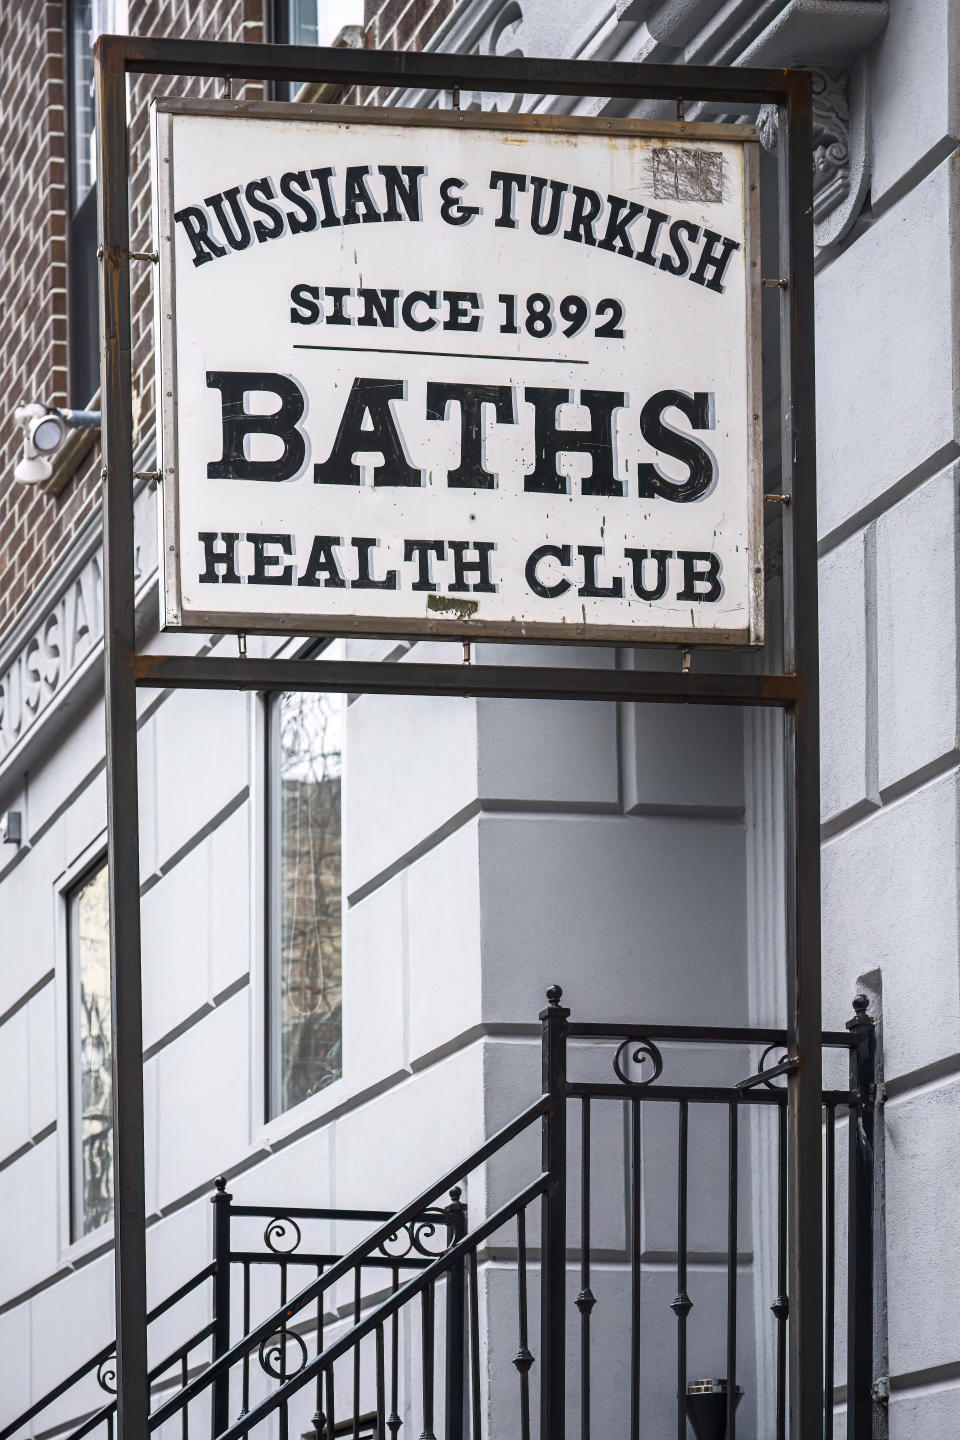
44 431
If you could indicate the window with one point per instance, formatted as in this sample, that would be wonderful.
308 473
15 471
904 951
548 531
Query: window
310 22
91 1081
305 739
86 20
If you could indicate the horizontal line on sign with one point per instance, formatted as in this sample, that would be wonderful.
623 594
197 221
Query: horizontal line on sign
444 354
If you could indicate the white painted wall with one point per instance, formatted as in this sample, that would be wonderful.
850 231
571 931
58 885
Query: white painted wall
494 847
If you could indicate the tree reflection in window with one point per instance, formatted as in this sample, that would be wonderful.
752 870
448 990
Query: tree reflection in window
92 1081
307 922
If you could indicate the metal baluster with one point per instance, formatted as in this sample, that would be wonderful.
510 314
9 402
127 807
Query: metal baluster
553 1242
427 1349
586 1299
393 1420
381 1385
682 1305
829 1270
523 1359
476 1418
732 1247
860 1299
245 1406
319 1420
220 1390
245 1386
356 1354
110 1426
184 1382
781 1306
331 1411
283 1348
453 1406
635 1242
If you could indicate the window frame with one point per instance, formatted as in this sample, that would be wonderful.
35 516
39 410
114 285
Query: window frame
73 1245
266 872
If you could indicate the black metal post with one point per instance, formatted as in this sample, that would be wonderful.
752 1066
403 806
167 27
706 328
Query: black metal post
798 450
456 1213
860 1224
553 1240
220 1393
123 843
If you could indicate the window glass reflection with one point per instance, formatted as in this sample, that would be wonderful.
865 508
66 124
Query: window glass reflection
307 927
92 1056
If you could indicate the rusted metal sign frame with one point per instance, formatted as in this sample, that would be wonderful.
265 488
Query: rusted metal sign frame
476 628
795 691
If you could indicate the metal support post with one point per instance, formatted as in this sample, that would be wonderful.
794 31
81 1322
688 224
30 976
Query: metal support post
860 1226
456 1213
220 1393
123 845
805 1188
553 1240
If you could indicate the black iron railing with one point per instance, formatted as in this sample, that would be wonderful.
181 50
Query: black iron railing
614 1206
242 1246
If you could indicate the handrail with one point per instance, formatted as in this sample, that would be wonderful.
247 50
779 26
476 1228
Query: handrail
306 1212
316 1288
414 1286
706 1094
306 1257
181 1292
181 1350
708 1034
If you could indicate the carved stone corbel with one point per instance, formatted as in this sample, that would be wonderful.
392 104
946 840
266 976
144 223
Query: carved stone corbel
841 135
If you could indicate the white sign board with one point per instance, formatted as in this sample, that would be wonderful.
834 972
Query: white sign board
458 374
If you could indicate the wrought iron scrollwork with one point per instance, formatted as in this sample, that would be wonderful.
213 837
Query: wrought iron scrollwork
282 1235
762 1067
107 1374
413 1238
637 1052
273 1354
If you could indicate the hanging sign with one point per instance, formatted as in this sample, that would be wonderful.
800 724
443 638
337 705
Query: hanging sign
444 373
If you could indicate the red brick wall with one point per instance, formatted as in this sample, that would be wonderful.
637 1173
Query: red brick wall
35 527
33 350
403 24
398 25
186 19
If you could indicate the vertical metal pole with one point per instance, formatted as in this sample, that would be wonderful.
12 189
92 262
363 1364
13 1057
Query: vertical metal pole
123 844
803 767
220 1396
860 1226
553 1242
682 1305
456 1213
